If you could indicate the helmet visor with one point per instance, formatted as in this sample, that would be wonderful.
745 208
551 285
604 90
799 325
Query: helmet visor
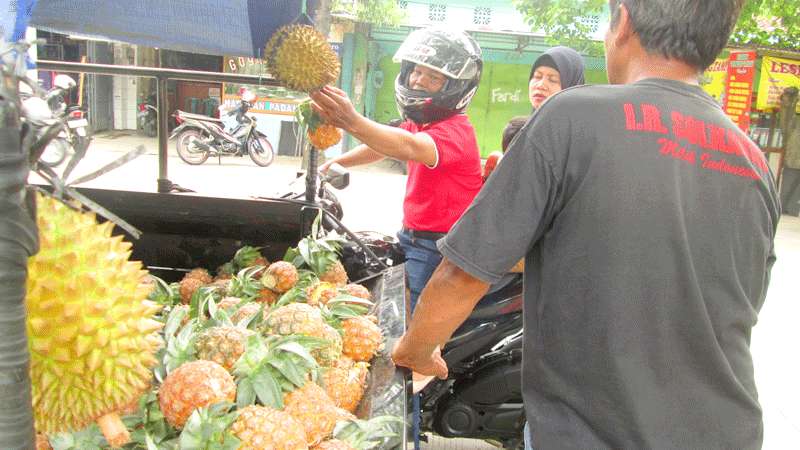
438 52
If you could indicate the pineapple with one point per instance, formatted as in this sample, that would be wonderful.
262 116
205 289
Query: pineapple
189 285
321 255
321 134
334 273
362 338
200 274
321 293
333 444
222 286
223 345
246 311
267 297
296 318
357 290
42 443
345 385
264 428
228 303
244 258
191 386
324 135
312 408
305 320
280 276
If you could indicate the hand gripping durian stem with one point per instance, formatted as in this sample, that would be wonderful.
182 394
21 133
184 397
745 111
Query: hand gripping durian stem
114 430
18 241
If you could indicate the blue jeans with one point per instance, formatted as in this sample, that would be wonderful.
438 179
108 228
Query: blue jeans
422 257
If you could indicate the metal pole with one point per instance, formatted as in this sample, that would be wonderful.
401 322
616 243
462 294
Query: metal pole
311 175
164 185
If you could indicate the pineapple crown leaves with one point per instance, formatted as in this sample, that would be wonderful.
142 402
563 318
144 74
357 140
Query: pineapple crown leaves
307 116
206 429
198 306
316 251
341 308
245 284
180 348
246 257
378 432
89 438
274 365
163 293
150 430
298 293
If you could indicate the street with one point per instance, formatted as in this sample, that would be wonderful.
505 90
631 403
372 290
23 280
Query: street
373 202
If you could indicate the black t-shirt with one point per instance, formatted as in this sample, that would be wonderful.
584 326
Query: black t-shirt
647 220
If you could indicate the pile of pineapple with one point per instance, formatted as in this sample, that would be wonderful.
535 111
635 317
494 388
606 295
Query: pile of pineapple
260 356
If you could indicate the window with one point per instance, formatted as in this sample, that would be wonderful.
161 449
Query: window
482 15
437 12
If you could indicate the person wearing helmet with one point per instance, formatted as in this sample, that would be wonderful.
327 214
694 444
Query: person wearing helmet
439 73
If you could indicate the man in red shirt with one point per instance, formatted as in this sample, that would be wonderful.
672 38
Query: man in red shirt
440 71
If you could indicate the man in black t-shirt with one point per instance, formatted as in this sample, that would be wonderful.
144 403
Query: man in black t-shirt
647 220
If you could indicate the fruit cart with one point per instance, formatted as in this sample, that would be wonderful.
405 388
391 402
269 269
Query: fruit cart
181 231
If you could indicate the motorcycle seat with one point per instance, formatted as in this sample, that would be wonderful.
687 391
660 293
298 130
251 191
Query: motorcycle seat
197 116
502 298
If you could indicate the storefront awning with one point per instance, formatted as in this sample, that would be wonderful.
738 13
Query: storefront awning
229 27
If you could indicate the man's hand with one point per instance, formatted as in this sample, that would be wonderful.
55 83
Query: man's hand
421 361
335 107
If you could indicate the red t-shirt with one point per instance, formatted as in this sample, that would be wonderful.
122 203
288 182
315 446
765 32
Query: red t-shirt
437 196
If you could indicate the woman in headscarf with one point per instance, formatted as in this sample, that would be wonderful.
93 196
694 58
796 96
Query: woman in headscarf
557 69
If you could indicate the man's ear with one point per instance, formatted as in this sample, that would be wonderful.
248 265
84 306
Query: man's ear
624 30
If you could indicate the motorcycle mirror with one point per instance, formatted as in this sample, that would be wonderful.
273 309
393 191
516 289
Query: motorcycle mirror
64 82
337 176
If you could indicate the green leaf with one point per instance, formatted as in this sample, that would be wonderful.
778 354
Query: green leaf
245 393
300 350
267 389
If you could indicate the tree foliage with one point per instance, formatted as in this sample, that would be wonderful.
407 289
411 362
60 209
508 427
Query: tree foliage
375 12
762 23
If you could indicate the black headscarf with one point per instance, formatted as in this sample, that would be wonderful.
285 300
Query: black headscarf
566 61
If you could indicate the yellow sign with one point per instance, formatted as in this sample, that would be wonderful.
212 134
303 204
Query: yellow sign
776 75
713 80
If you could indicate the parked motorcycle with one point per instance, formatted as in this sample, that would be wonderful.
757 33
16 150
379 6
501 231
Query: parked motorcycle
199 137
53 108
147 117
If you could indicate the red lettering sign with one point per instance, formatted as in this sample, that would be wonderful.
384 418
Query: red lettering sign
739 87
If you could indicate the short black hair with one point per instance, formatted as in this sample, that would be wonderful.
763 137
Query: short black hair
512 128
693 31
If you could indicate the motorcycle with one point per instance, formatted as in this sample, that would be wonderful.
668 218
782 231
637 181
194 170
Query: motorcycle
53 108
199 137
482 396
147 117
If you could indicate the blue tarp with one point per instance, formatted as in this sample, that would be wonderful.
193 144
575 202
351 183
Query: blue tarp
215 27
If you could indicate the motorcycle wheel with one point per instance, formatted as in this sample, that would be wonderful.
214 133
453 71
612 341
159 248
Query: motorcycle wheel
260 150
55 153
184 145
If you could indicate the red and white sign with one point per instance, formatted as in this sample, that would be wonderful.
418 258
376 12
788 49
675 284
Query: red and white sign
739 87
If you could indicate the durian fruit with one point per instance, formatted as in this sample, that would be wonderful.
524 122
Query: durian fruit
301 58
91 331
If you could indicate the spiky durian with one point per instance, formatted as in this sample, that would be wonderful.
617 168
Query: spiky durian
301 58
91 333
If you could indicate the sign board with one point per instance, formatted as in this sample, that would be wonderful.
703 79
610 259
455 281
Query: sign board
269 99
776 75
739 88
713 80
